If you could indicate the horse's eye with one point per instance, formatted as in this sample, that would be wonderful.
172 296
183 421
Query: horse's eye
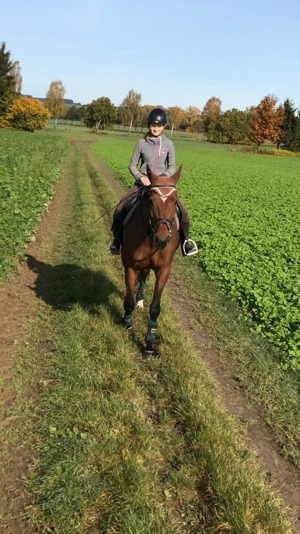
150 201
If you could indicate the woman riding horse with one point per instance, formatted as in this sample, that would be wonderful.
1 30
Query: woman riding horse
156 151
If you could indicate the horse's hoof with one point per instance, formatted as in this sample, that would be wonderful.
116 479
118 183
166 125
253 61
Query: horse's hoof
140 305
148 354
127 323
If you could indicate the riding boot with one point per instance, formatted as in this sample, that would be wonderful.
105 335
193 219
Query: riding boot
117 230
188 246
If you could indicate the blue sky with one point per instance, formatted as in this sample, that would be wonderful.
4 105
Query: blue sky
174 52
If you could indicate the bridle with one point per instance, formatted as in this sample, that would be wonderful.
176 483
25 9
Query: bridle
160 220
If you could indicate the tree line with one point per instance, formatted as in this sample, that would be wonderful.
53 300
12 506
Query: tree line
268 121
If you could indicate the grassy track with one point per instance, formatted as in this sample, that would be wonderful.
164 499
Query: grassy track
124 446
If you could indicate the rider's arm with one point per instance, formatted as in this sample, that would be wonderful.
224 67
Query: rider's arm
171 166
135 158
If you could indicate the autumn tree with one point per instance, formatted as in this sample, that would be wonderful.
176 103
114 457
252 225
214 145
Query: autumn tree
266 121
145 110
55 100
213 105
26 114
16 73
7 81
131 108
192 118
175 117
100 113
211 116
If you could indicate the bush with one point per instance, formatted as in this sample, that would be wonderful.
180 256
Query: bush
25 114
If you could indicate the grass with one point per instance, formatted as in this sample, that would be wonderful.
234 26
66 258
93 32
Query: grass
121 445
251 358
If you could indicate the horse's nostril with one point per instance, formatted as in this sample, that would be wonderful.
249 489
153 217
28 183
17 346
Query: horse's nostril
161 243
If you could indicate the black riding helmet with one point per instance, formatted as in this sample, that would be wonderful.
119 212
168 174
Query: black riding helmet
157 116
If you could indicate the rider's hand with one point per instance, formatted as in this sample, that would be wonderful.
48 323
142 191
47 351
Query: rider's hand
145 180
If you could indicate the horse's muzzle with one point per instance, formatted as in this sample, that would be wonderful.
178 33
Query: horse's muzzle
161 243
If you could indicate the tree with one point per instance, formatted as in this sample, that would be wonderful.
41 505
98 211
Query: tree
234 126
266 121
100 112
26 114
145 110
55 100
131 108
290 135
213 105
192 118
175 116
16 73
211 116
74 113
7 81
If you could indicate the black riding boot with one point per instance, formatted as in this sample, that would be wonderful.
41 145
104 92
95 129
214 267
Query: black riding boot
188 246
117 229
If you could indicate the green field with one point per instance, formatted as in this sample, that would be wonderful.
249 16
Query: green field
245 217
30 164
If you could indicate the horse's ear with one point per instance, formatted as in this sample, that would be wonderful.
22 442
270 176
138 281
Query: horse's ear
151 174
175 177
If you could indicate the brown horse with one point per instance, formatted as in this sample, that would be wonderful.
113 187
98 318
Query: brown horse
150 240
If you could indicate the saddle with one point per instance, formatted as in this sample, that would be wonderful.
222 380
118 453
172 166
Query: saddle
130 207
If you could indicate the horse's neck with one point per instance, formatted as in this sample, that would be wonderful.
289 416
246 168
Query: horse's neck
144 211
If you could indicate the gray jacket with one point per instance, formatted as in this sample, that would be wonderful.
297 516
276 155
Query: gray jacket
157 152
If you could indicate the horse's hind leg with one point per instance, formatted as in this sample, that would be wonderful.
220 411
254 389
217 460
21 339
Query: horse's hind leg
142 288
130 276
161 280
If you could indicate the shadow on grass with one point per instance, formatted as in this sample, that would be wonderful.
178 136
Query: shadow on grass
62 286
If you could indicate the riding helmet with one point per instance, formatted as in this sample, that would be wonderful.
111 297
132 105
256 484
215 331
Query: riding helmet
157 116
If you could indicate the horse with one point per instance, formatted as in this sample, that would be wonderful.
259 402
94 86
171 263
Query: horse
150 240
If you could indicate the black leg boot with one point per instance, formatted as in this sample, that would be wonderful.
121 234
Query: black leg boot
188 246
117 229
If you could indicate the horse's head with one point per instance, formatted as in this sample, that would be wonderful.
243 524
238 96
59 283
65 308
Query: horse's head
162 206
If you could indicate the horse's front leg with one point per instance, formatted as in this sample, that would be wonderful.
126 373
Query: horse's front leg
130 276
161 279
142 288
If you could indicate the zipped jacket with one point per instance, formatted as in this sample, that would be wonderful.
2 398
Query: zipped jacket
157 152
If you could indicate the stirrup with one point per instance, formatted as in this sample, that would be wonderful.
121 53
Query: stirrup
192 245
113 249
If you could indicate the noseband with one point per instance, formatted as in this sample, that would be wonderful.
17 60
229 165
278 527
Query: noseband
159 220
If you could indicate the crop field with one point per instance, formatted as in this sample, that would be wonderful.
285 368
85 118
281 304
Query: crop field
245 217
29 166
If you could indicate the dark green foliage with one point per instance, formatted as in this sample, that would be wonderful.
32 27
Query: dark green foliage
231 127
75 113
290 139
7 81
100 113
29 167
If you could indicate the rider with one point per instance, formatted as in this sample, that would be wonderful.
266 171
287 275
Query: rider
157 151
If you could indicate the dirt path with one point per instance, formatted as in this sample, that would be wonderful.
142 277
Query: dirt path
16 301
